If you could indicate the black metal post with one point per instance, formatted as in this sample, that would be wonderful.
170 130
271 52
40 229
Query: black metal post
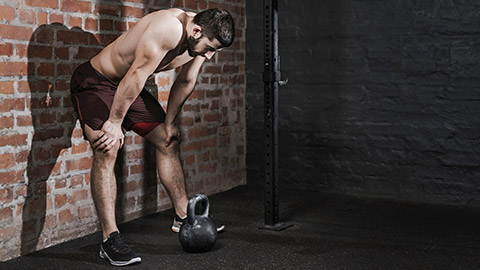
271 79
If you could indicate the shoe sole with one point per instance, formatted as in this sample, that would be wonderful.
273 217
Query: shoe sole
104 255
177 229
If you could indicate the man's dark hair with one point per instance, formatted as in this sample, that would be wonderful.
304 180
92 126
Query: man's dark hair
216 23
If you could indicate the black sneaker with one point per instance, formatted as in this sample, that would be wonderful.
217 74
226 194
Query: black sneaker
117 252
177 224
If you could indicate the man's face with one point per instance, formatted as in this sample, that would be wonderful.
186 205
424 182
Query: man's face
202 46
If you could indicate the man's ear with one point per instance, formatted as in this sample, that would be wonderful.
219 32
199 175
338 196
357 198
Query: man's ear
197 31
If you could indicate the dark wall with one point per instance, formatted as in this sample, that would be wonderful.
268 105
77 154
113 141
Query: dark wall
383 98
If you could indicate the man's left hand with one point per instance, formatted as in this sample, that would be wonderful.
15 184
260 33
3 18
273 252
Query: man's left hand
172 133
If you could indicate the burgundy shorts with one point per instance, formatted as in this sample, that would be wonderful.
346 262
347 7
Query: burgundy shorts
92 96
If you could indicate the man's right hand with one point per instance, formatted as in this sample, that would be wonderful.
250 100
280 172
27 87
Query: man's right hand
108 136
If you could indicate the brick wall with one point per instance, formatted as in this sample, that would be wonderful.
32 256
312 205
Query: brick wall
382 99
44 160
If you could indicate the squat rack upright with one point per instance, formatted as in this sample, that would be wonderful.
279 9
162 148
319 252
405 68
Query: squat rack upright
271 79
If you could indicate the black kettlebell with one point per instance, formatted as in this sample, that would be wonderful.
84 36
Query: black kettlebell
198 233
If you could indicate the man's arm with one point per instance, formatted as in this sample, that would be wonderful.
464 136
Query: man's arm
151 49
181 90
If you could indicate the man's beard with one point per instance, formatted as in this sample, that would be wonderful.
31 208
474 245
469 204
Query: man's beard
191 42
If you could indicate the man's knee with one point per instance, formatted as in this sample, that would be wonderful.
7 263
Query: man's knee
109 155
172 149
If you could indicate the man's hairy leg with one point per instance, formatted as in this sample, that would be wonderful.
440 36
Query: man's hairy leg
103 184
170 169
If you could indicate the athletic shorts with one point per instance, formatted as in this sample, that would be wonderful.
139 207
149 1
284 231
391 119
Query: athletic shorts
92 96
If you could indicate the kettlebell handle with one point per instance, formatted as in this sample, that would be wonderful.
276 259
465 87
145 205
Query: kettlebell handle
199 198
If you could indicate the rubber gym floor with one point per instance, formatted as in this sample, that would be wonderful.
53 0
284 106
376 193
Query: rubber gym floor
329 232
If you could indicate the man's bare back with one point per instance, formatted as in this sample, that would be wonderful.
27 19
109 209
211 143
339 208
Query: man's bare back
114 60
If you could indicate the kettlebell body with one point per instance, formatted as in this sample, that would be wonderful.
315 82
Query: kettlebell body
198 233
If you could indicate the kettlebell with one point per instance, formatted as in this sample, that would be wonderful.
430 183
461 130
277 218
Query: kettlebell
198 233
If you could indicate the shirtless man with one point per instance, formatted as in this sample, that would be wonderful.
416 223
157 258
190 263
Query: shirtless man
109 96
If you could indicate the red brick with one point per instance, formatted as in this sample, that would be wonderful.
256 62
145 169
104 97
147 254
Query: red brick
87 53
197 132
24 121
48 118
205 156
44 35
208 168
46 69
178 3
212 117
78 195
230 69
212 69
42 154
120 26
132 12
14 104
72 37
6 88
106 24
6 195
11 177
60 200
189 160
191 108
224 141
42 3
65 69
56 18
27 16
79 148
62 53
135 154
79 164
50 222
6 213
66 217
108 10
8 232
6 122
13 68
6 49
84 212
62 85
191 146
185 121
202 4
76 182
7 13
44 52
209 143
91 24
74 21
214 93
42 18
192 4
138 1
21 157
163 81
134 169
76 6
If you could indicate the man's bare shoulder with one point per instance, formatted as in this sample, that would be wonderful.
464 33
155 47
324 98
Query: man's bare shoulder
167 25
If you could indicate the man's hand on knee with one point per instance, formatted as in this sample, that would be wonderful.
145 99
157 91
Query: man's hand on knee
108 136
172 133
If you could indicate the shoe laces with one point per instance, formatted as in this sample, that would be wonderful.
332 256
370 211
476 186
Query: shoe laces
118 245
